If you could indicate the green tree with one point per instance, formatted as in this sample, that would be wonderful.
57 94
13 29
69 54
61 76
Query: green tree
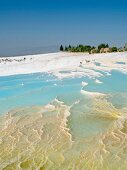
106 46
114 49
103 46
125 47
61 48
69 46
66 48
87 48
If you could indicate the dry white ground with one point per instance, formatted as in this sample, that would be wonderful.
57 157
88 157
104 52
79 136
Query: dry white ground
65 64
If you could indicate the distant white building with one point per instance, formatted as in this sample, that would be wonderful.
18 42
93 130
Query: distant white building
105 50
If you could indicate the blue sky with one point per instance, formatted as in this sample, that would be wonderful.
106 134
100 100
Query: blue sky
33 24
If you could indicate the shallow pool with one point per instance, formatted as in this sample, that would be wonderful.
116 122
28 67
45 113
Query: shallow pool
73 123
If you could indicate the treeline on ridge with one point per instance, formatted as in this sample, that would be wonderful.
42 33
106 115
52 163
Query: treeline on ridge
102 48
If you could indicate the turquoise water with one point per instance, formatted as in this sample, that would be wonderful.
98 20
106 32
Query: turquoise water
33 89
40 89
77 131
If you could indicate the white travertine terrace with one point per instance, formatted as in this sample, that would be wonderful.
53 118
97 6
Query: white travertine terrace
77 64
